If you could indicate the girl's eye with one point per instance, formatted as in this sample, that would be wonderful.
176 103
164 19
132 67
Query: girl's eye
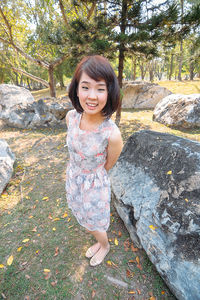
101 90
84 87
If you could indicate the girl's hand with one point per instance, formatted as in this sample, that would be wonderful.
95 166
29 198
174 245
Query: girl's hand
114 149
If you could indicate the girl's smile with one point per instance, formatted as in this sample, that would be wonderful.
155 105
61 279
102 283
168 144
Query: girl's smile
92 94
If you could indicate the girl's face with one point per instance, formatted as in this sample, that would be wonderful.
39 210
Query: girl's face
92 94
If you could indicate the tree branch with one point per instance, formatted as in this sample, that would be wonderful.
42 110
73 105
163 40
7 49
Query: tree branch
19 50
38 79
7 24
63 12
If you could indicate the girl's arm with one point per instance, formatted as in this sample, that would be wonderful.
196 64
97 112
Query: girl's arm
114 149
67 118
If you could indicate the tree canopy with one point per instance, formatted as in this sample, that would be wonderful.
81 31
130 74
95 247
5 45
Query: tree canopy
44 39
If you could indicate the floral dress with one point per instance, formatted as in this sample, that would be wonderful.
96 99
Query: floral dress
87 182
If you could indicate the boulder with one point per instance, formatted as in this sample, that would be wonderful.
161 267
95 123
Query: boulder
156 191
14 96
179 111
143 95
31 114
7 159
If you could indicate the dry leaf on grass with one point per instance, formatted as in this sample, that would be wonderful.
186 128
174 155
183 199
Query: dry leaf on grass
10 260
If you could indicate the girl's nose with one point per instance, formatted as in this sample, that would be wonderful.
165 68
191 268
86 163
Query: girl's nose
92 94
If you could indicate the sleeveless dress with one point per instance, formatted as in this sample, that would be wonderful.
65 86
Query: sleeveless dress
87 182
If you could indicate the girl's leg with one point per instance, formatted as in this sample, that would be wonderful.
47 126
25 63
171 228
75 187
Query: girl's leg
102 244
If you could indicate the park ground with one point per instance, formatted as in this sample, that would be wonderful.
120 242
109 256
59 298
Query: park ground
42 249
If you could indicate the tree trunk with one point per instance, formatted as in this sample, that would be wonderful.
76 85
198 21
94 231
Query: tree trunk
121 57
181 45
180 61
191 70
171 67
16 79
142 70
28 83
134 69
60 79
51 82
151 71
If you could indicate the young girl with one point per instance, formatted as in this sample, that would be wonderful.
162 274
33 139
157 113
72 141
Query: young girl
94 144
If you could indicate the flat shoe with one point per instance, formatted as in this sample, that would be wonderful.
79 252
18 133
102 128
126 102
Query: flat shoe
95 262
90 253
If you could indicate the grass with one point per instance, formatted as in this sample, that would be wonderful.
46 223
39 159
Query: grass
39 231
182 87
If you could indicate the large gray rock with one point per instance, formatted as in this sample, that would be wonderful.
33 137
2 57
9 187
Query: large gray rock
29 113
14 96
143 95
179 110
156 191
7 159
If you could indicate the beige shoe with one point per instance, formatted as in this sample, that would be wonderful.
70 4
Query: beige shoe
90 253
95 261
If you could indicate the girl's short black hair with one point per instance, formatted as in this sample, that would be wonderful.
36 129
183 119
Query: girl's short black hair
97 67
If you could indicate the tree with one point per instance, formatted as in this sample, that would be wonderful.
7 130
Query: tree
36 44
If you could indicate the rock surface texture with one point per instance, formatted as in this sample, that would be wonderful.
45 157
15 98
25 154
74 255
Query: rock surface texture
179 110
7 159
156 191
24 112
143 95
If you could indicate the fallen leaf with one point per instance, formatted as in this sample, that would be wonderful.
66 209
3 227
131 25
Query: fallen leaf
3 295
116 242
137 259
128 273
109 263
68 219
50 216
93 293
186 200
1 266
45 198
47 276
10 260
34 229
133 248
56 251
162 292
30 217
54 229
47 270
65 215
139 292
126 245
27 276
131 261
132 292
152 227
25 240
56 219
139 266
119 234
152 298
169 172
53 283
19 249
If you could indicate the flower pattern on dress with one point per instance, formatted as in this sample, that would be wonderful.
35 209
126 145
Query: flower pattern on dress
87 182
